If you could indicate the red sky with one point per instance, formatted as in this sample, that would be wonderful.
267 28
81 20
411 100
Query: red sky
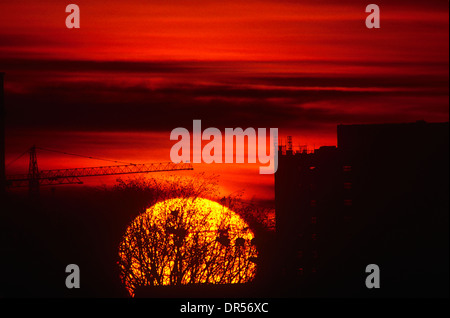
137 69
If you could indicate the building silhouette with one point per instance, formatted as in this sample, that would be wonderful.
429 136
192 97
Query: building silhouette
379 197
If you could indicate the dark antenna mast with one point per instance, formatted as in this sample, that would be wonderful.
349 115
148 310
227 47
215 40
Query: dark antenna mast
33 173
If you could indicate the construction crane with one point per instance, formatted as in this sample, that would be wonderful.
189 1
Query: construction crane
35 178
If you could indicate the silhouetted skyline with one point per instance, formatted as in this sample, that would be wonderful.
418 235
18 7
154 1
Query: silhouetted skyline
380 197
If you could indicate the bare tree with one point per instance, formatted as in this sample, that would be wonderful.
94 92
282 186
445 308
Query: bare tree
185 238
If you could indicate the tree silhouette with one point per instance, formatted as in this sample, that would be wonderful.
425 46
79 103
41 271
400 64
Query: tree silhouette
185 238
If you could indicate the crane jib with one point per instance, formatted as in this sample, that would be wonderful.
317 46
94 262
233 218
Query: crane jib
72 175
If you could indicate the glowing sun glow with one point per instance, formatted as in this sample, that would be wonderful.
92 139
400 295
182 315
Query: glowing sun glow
187 241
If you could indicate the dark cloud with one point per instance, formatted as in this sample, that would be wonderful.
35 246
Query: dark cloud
191 67
36 100
369 81
43 65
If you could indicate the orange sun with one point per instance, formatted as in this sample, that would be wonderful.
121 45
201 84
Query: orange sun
187 241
